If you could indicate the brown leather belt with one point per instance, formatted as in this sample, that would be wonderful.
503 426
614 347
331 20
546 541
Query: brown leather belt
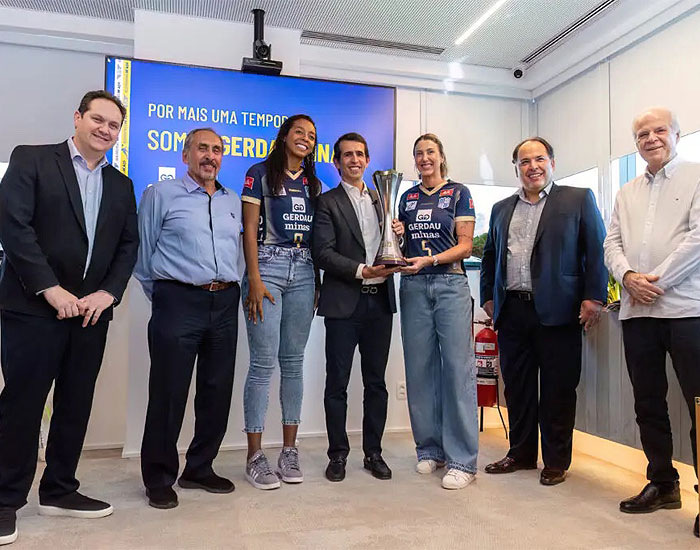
215 286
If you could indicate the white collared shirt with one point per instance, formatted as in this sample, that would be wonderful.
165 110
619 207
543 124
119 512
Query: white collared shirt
655 229
369 225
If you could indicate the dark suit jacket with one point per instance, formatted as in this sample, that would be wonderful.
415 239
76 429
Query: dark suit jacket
337 247
42 229
567 259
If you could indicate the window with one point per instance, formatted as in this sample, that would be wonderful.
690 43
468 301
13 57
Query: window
587 179
485 196
689 147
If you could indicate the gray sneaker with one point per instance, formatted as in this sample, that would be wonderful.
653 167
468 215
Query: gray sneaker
288 465
259 474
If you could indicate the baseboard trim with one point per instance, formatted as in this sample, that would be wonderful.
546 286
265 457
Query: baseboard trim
627 457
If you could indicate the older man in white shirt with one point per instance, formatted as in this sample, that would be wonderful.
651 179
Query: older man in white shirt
653 249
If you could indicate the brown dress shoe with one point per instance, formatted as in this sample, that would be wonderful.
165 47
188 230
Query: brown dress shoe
552 476
508 465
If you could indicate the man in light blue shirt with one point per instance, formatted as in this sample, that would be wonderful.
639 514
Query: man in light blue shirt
188 267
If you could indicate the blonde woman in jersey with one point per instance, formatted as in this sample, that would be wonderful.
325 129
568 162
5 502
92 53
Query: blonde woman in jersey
436 310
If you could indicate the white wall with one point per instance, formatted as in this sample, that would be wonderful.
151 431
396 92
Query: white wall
588 119
478 133
663 70
208 42
569 118
38 96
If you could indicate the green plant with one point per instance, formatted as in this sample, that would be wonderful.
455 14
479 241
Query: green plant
478 245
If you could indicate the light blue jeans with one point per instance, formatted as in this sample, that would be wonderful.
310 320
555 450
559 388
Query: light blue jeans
289 276
440 369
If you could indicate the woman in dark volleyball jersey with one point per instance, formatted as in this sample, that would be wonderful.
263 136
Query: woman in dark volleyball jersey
278 290
438 217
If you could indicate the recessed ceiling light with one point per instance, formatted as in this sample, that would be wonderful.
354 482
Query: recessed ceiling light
480 21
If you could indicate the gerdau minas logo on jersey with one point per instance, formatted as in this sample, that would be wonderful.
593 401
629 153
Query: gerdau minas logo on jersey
423 228
297 219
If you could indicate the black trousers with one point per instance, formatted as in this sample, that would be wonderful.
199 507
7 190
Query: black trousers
36 352
529 349
188 323
369 327
647 340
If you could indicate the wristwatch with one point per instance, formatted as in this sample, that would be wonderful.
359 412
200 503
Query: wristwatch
435 261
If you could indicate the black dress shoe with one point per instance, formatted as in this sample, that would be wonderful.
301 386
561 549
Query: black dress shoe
210 483
652 498
376 465
552 476
162 498
336 469
508 465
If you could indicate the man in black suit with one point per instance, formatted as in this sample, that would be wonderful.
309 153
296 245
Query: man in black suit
542 277
357 301
68 227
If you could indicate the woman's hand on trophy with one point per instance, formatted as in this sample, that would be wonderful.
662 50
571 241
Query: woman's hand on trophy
416 264
254 301
398 228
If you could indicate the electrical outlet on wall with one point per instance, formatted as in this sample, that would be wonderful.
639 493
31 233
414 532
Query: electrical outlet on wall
401 391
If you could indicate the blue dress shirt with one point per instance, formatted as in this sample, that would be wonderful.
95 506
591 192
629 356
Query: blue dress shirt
187 235
90 184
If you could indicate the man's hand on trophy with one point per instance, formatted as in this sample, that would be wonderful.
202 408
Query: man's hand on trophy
372 271
398 228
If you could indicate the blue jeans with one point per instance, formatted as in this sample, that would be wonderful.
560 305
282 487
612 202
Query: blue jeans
289 276
440 368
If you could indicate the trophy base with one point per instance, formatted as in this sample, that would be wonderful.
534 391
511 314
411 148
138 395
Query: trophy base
390 262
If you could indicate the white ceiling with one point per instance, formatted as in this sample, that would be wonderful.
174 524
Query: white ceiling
516 30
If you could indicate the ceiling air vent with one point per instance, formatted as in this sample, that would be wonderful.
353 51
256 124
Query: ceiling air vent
343 39
558 39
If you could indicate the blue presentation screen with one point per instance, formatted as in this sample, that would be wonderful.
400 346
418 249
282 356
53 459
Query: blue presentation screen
165 101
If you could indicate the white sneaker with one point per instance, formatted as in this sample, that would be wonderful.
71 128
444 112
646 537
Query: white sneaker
428 466
456 479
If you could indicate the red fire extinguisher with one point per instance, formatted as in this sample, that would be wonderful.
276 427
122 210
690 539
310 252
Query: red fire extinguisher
486 351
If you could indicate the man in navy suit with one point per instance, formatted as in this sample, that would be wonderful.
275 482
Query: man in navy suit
542 277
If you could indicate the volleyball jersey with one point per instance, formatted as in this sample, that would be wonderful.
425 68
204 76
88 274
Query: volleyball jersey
430 217
285 219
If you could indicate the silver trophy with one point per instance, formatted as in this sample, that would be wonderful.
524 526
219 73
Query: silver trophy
387 185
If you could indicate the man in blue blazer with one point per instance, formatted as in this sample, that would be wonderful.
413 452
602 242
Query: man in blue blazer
542 278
